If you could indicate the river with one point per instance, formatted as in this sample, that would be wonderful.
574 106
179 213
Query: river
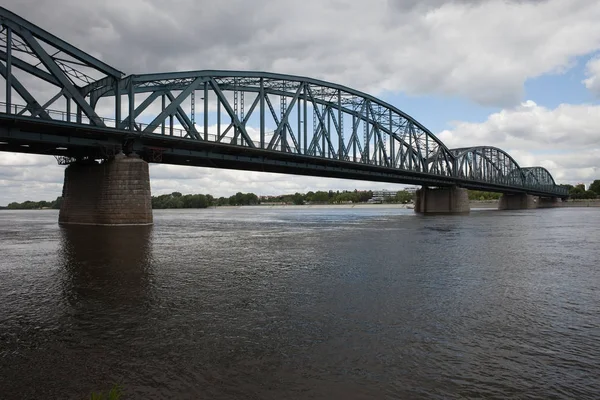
255 303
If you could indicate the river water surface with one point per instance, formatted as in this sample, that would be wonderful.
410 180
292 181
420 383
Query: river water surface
257 303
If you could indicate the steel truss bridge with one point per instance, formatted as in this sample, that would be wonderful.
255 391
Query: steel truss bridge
61 101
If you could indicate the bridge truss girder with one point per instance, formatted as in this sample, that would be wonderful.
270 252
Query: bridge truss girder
495 166
32 57
346 124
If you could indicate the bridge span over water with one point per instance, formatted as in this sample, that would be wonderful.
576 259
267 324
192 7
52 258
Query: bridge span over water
61 101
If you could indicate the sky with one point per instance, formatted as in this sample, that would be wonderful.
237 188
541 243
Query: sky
521 75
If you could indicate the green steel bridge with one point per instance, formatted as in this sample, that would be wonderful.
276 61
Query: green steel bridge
61 101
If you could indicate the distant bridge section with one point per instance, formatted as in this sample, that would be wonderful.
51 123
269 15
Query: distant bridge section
62 101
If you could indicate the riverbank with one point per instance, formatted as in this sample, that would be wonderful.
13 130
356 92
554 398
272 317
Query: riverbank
570 203
475 204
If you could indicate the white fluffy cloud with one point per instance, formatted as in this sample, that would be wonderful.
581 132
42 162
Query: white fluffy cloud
565 140
593 73
483 50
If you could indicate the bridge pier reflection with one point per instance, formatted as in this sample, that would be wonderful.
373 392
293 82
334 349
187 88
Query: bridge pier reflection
446 200
106 266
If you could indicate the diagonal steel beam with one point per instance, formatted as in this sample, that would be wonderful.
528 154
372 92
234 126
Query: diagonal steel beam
172 108
236 121
24 66
149 100
45 106
59 44
55 70
284 119
321 120
183 118
32 105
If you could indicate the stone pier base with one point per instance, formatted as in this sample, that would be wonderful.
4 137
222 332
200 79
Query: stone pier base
451 200
520 201
116 192
549 202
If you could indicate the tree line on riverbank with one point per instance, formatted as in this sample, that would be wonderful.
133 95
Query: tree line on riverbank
578 192
179 200
35 205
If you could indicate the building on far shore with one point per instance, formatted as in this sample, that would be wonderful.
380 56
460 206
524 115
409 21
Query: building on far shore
379 196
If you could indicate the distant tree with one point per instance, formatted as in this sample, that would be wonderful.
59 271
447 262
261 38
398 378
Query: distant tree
176 194
298 199
595 187
403 197
577 192
57 203
481 195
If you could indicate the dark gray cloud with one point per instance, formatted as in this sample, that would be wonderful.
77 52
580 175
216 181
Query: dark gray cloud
419 47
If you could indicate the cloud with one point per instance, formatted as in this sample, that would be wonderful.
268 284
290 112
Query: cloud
530 126
481 50
593 73
565 140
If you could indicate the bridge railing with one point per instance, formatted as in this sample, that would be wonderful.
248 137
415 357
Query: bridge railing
63 116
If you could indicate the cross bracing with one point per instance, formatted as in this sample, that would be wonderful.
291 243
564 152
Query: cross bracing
48 79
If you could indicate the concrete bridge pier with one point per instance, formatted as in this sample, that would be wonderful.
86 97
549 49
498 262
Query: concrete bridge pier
520 201
444 200
114 192
548 202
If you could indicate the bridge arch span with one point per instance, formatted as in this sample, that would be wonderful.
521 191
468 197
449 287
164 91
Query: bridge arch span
488 164
538 178
295 114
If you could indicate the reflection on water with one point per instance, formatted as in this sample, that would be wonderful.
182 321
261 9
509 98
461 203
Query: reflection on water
315 304
106 266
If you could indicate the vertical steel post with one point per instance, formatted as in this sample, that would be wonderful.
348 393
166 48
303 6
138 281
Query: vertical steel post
410 145
68 101
305 120
392 155
328 132
341 127
299 131
171 124
193 107
117 104
131 105
205 110
426 161
354 127
323 133
218 119
261 93
282 110
367 149
163 105
8 69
